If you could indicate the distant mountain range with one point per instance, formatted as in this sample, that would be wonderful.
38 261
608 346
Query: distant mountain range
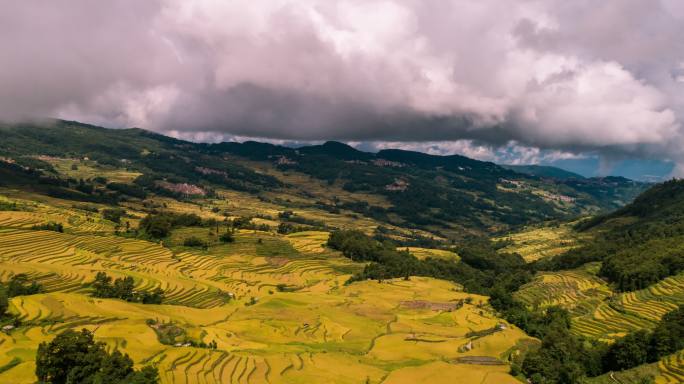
449 195
545 171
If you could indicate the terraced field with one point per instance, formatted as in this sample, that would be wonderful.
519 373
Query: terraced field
579 291
539 242
597 311
423 253
671 369
276 306
87 169
32 213
309 241
625 312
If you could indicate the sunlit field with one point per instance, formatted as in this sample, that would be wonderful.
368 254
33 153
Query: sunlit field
539 242
276 306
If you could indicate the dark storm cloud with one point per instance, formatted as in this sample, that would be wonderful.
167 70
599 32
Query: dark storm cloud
564 77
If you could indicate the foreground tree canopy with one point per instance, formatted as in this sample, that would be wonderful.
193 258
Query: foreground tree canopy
76 358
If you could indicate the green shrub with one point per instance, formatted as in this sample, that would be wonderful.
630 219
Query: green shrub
113 214
51 226
19 285
194 241
227 237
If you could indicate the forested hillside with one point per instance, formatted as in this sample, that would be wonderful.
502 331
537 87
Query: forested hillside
639 244
444 195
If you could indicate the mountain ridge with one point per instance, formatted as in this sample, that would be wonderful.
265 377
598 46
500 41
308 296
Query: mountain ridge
444 195
544 171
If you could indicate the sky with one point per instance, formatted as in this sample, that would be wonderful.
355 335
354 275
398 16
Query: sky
594 85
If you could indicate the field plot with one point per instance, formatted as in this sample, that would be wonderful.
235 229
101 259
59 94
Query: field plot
276 306
32 213
671 369
423 253
597 311
443 373
87 169
632 310
579 291
540 242
309 241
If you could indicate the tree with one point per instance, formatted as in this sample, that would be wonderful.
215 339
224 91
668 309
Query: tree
75 358
227 237
4 303
123 288
194 241
627 352
285 228
70 358
19 285
156 226
156 297
113 214
102 285
668 336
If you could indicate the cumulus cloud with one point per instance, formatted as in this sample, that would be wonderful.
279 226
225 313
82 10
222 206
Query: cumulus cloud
553 76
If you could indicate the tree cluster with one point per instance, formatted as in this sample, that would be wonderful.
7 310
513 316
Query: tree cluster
4 301
123 288
18 285
565 358
478 272
113 214
51 226
159 225
194 241
285 228
244 222
227 237
647 347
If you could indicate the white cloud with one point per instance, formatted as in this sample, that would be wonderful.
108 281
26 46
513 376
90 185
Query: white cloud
562 77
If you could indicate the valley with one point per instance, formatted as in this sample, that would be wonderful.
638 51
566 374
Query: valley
328 264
